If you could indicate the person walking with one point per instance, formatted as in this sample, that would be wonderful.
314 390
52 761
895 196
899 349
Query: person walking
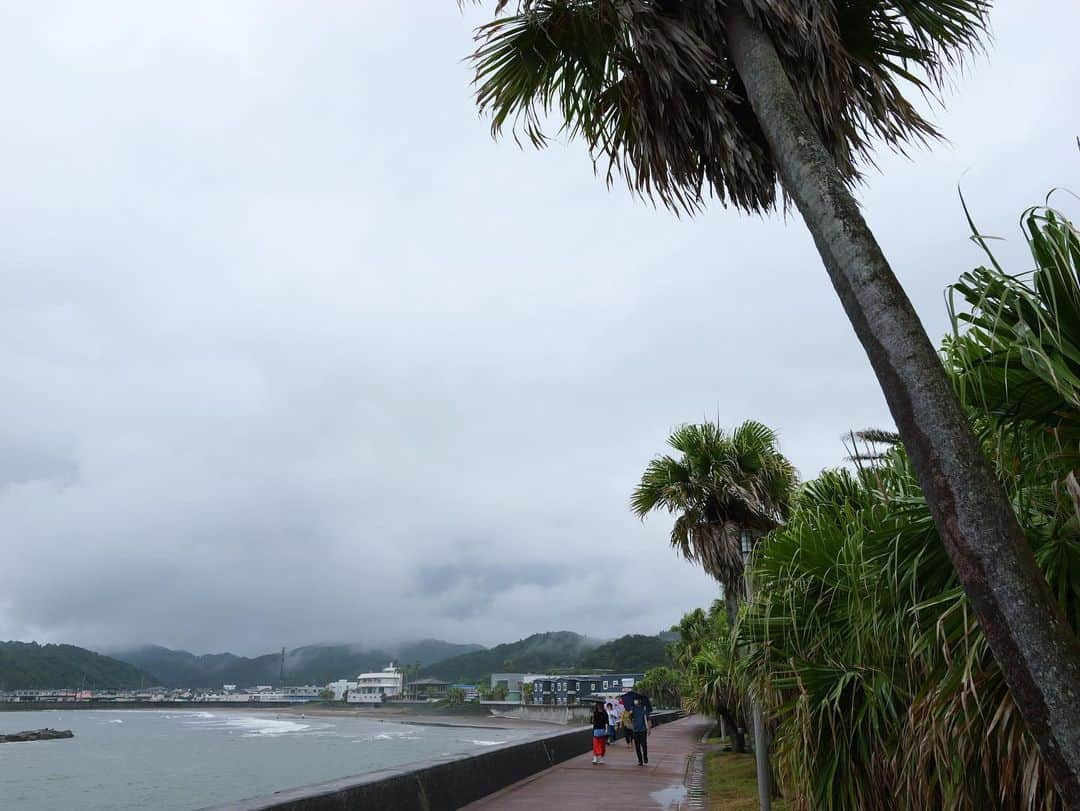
614 713
627 723
599 733
639 714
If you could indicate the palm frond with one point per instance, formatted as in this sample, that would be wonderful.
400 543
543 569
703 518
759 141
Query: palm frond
718 486
650 89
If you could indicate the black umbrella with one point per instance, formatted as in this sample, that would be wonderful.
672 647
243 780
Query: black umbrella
630 696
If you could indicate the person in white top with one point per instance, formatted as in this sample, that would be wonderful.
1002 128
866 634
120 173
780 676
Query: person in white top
614 713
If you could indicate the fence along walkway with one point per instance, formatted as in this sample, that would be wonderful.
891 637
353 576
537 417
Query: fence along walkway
619 783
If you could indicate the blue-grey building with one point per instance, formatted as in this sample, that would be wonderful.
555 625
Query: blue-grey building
571 689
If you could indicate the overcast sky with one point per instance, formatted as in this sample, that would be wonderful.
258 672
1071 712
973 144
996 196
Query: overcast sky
291 351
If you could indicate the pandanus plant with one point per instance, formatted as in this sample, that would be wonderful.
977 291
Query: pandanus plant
759 101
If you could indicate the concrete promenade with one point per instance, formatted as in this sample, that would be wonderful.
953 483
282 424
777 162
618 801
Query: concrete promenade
619 783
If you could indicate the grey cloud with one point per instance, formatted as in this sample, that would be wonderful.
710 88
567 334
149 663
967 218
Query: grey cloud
292 351
470 589
22 463
487 579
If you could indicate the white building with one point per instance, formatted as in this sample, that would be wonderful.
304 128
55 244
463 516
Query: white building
373 688
340 688
308 692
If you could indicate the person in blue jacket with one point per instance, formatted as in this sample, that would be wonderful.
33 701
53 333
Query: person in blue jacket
640 709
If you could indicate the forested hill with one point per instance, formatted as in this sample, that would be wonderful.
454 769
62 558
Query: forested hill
535 654
29 666
311 664
634 652
558 650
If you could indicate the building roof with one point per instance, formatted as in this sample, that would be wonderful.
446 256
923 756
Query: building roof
429 683
589 676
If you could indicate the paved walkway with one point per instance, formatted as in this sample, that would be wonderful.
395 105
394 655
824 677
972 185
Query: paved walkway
618 783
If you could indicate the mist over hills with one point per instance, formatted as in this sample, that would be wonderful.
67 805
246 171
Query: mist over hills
29 666
536 653
556 650
320 664
311 664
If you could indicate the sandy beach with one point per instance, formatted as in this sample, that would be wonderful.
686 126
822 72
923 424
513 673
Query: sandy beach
420 716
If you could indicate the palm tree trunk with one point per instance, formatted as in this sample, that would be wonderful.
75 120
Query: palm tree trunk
1037 651
738 734
731 606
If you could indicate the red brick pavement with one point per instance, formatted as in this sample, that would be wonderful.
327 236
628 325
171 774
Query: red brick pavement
618 783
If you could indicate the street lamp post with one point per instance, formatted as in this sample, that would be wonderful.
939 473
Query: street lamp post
761 742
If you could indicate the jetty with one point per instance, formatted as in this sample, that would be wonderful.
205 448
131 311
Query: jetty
37 735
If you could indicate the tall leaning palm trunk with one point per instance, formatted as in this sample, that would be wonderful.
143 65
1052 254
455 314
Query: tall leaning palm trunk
695 98
1036 649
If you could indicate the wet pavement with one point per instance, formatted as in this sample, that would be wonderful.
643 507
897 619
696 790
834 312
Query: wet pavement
670 781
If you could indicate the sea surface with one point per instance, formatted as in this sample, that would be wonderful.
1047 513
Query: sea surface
177 760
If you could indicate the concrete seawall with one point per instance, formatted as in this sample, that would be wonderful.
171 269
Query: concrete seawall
240 706
565 715
443 784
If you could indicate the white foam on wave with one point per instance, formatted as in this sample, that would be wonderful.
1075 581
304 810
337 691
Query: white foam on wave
116 721
270 727
250 725
388 736
483 743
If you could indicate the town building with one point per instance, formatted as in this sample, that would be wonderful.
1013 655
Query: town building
374 688
341 688
470 691
572 689
308 692
512 682
429 689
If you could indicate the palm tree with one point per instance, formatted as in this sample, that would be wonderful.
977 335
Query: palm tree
720 486
688 99
702 654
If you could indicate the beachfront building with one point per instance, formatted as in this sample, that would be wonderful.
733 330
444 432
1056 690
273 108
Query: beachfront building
469 691
429 689
512 682
45 696
307 692
572 689
341 688
374 688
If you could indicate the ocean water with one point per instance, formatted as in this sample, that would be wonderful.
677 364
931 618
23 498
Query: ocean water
177 760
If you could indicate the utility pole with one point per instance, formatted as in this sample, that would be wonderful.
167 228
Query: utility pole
281 675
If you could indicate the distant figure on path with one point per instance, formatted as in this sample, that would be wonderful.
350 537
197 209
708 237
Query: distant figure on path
639 714
627 727
614 713
599 733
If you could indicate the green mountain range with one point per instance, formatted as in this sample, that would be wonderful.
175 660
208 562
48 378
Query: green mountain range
312 664
29 666
554 651
634 652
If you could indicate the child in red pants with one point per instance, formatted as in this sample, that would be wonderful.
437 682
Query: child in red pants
599 733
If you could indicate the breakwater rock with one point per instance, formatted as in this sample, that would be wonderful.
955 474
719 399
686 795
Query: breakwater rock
37 735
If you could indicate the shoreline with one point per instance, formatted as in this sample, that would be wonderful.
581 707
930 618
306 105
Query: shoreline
412 716
403 715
